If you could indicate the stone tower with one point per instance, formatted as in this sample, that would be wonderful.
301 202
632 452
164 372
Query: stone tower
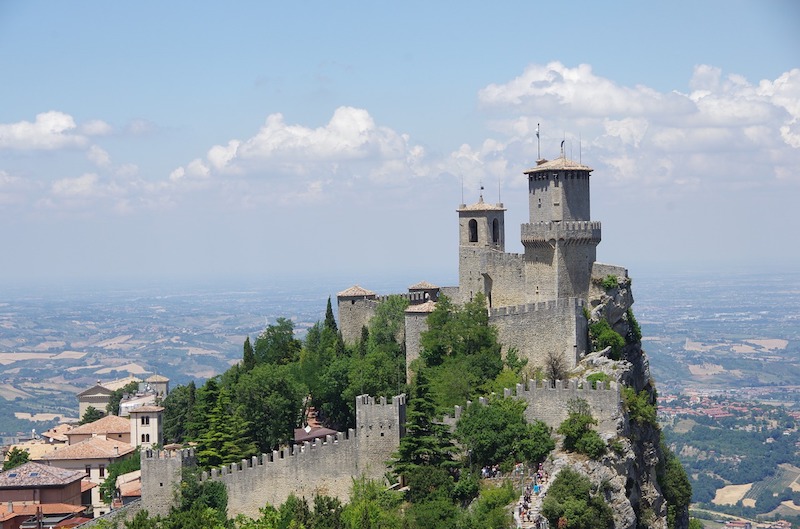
481 232
560 240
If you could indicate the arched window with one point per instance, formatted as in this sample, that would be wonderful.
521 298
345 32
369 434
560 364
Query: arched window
473 230
143 435
496 231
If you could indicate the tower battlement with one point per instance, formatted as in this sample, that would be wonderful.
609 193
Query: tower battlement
567 231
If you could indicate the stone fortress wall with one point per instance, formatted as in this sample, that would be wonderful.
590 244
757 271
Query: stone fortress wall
325 467
328 467
550 404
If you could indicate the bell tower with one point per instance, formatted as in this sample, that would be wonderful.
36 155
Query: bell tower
481 231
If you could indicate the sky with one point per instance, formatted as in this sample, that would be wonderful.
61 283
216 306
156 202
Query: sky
213 141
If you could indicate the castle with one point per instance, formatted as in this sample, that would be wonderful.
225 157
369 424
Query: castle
536 300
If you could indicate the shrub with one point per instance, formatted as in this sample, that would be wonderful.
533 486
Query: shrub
639 407
594 378
578 433
634 331
603 336
610 281
570 497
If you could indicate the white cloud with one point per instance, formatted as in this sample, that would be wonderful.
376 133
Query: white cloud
96 127
717 133
50 130
98 156
82 186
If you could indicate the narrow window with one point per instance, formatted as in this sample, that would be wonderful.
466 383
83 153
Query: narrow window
102 471
145 419
143 438
473 230
496 231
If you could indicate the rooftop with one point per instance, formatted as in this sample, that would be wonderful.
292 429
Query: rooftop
106 425
146 409
92 448
29 509
480 205
423 285
355 292
35 475
559 164
428 306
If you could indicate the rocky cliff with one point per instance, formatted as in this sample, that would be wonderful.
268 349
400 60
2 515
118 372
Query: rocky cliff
627 475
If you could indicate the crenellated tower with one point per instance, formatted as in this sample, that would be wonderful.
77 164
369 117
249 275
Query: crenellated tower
560 240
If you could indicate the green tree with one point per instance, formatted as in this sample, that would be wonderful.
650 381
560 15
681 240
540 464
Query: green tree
248 356
272 404
277 344
16 457
571 503
462 349
226 439
178 412
498 433
90 415
130 463
330 321
116 396
205 399
676 487
426 442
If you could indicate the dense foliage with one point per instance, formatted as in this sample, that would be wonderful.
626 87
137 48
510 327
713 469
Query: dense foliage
255 406
129 463
90 415
579 436
675 485
572 504
602 336
16 457
499 434
461 350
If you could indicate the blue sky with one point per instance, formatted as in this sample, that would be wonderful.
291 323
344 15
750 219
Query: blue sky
209 140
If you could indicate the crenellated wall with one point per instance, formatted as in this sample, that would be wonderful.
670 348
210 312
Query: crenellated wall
536 329
326 467
551 404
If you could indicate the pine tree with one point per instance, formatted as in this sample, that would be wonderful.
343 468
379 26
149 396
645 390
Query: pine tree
226 439
426 443
248 356
330 322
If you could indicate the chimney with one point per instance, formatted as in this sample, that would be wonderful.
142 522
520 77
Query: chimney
10 506
116 450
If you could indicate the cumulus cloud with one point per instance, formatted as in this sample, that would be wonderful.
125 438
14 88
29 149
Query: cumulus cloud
50 130
96 127
98 156
84 185
725 125
298 162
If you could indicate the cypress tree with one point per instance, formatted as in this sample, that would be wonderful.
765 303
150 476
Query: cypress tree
248 356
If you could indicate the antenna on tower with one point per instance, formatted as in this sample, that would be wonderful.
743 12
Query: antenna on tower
462 189
538 147
499 200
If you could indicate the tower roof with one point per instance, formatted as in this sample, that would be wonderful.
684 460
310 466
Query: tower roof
480 205
355 292
423 285
559 164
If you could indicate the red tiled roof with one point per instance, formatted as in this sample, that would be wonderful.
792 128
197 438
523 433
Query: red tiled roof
34 475
355 291
92 448
106 425
29 509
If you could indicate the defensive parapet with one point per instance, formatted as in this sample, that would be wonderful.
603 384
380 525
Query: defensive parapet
537 233
550 404
324 466
161 474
